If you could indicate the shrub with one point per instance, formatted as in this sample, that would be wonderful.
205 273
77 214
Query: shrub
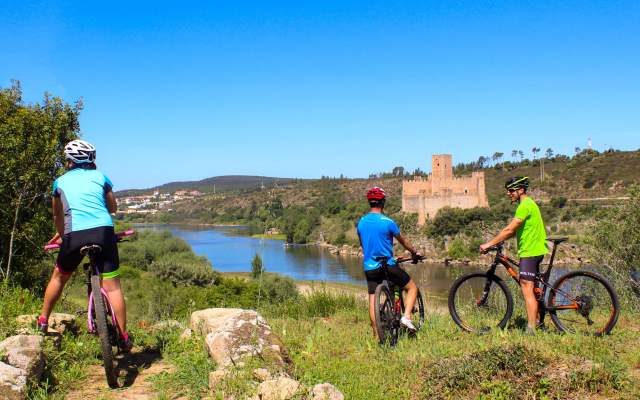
459 250
14 301
179 272
276 288
616 242
256 266
558 202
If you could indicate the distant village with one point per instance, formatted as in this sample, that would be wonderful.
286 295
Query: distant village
151 204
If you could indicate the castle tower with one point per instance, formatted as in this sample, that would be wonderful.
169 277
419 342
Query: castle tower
441 166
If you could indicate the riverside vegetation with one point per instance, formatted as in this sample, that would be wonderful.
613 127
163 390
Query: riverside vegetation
327 333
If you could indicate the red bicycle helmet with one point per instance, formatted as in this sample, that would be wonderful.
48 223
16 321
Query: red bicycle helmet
376 193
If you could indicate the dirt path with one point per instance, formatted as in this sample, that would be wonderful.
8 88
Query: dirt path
135 369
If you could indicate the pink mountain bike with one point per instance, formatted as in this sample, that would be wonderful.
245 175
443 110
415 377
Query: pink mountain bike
101 319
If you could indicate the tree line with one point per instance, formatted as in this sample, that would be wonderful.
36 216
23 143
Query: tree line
32 139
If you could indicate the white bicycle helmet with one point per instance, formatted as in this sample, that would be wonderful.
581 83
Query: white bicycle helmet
80 152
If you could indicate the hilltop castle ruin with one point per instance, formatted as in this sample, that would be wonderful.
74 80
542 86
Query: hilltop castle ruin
426 196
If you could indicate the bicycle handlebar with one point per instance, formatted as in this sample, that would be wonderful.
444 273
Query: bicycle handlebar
401 259
119 236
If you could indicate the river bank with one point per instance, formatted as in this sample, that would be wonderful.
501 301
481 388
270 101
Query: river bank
570 255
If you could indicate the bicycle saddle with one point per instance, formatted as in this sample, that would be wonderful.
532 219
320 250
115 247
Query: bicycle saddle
91 249
557 240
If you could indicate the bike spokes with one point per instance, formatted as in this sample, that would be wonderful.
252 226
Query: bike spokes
385 315
480 304
583 303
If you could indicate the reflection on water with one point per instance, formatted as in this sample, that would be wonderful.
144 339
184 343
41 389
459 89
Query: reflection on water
230 251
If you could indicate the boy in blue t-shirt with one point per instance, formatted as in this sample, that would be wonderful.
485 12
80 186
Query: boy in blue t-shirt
376 232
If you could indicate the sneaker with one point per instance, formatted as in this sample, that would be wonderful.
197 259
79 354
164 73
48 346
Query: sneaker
530 331
125 343
406 322
42 324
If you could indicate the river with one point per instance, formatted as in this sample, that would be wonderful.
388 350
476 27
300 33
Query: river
229 250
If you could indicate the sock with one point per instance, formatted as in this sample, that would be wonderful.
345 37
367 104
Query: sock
125 336
42 320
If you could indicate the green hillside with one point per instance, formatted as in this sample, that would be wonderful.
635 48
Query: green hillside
217 183
585 176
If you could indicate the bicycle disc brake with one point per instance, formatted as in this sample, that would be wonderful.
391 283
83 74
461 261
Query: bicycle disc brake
585 305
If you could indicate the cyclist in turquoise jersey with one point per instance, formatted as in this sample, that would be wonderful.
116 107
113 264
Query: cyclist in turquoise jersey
376 232
83 201
528 227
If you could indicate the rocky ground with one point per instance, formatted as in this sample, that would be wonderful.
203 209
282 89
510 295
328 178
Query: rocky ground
232 337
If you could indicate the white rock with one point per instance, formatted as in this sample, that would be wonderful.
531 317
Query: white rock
215 377
326 391
261 374
13 382
24 352
186 334
59 322
282 388
233 333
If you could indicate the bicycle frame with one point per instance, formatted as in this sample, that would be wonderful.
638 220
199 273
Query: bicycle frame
541 278
91 269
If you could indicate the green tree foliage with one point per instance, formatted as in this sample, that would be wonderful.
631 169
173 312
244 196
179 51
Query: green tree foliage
31 157
298 222
616 241
459 250
452 221
256 266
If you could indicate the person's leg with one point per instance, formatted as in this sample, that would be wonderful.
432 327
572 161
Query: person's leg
531 302
372 314
116 298
53 291
410 298
529 267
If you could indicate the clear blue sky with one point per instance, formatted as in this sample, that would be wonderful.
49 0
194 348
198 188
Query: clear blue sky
191 89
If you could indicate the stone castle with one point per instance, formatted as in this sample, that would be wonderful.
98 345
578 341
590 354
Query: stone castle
426 196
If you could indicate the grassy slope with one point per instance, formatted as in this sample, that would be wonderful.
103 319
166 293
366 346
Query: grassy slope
444 363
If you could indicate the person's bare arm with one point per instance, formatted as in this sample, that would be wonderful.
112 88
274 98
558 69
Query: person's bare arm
504 234
405 243
58 217
112 204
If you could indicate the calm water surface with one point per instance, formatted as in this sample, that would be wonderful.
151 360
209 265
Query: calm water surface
229 250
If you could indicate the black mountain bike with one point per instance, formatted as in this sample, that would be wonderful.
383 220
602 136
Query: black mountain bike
389 307
578 301
101 319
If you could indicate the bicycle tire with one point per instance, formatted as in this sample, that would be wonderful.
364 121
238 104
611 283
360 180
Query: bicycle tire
102 325
455 309
560 288
383 310
418 309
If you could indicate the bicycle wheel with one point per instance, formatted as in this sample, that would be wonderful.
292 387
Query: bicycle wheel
479 302
105 329
583 302
384 314
417 315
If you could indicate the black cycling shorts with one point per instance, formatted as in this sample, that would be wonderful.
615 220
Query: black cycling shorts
107 260
397 276
529 267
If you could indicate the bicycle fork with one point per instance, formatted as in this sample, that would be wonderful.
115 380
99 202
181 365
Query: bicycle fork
482 300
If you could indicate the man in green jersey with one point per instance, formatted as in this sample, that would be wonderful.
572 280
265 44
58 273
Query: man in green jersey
528 228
